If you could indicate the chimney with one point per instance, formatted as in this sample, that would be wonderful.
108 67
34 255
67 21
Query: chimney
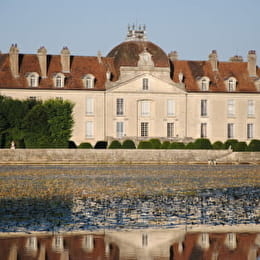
14 60
213 58
251 65
99 57
41 53
65 59
173 55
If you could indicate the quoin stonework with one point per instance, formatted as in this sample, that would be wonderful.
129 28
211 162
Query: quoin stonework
137 91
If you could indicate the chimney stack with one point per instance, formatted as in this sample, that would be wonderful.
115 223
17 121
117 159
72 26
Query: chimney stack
14 60
251 65
213 58
41 53
173 55
65 60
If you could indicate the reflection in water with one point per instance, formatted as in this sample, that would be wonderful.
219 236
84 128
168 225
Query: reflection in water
226 243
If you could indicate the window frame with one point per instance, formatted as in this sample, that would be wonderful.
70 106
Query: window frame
89 106
145 108
250 131
144 131
231 108
89 130
203 130
33 79
203 107
250 108
145 84
170 107
120 106
120 129
170 129
230 130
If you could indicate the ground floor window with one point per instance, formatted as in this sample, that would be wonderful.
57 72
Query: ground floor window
250 131
170 130
119 129
203 130
144 129
89 129
230 130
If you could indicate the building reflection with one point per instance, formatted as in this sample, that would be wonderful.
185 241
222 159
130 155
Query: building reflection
134 245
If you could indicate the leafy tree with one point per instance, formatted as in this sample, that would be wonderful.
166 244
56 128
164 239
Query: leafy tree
165 145
240 147
190 146
230 143
177 145
128 144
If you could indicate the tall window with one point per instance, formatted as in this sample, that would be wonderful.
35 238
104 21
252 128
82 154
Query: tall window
250 131
89 129
231 85
170 130
119 106
203 107
145 108
89 106
231 108
33 79
230 130
145 84
119 129
89 81
203 130
59 82
170 107
204 85
144 129
251 108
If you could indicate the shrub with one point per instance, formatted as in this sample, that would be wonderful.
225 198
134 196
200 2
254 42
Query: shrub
85 146
230 142
128 144
218 145
155 143
115 145
254 145
240 147
145 145
202 143
165 145
177 145
190 146
101 145
72 145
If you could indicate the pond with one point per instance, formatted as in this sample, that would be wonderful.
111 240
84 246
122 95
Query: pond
81 198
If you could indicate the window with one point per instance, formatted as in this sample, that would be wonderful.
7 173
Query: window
31 243
145 84
203 106
205 84
88 243
89 129
170 107
170 130
231 108
89 81
32 98
145 108
33 79
203 130
119 129
57 243
144 129
230 130
250 131
59 80
89 106
231 84
251 108
119 106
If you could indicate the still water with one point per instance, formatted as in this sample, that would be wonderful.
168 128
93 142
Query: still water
159 206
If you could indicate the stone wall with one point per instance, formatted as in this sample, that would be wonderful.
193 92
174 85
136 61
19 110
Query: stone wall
95 156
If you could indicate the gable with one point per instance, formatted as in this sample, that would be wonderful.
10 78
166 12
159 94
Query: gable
155 85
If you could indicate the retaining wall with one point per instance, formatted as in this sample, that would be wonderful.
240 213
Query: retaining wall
96 156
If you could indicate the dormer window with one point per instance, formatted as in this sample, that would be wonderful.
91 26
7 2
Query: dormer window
231 84
33 79
59 80
88 81
204 83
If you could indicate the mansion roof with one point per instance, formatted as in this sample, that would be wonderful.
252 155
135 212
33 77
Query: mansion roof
74 70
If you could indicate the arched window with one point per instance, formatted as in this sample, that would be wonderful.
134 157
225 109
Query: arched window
204 83
88 81
33 79
59 80
231 84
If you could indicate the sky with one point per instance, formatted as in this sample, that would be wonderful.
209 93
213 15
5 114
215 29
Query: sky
191 27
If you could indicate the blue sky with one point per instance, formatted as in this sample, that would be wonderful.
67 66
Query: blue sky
192 27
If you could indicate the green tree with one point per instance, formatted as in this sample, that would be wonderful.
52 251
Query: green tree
218 145
115 145
177 145
128 144
85 146
165 145
156 144
202 143
254 145
145 145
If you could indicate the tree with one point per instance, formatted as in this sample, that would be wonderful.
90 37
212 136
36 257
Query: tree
254 145
85 146
115 145
156 144
218 145
145 145
128 144
202 143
